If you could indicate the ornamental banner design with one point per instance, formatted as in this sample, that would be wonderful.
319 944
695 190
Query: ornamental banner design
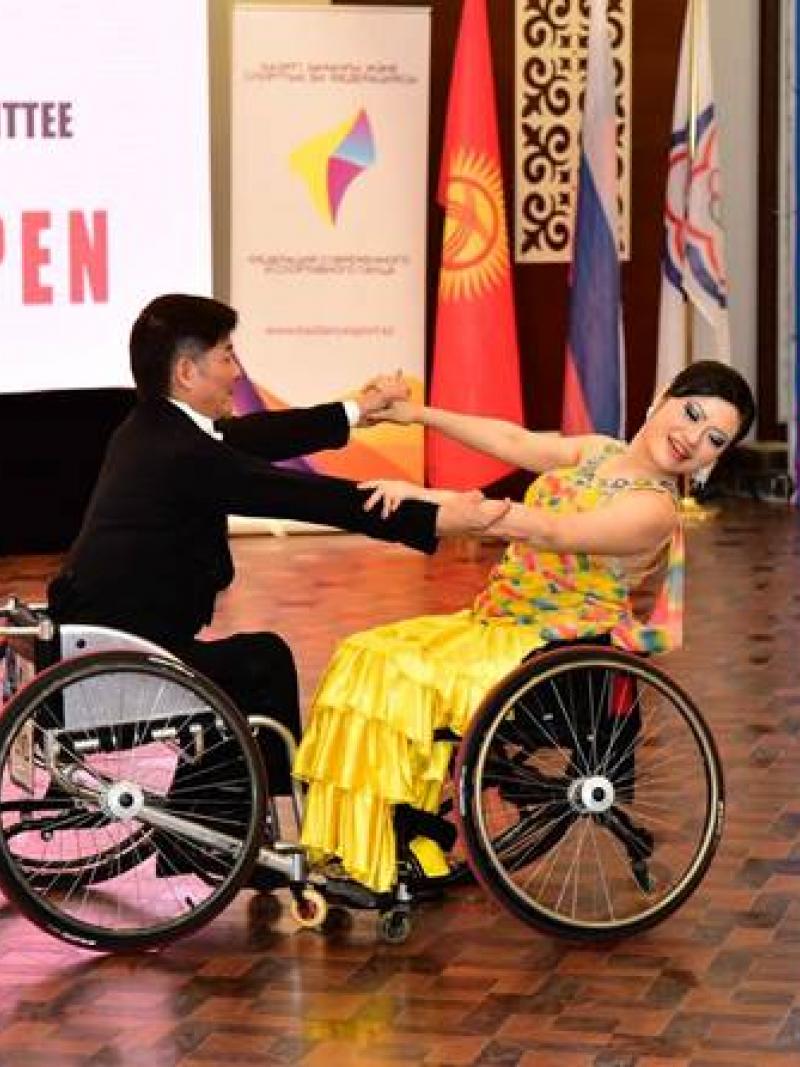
551 49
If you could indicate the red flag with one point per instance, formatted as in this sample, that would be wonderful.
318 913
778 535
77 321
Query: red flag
475 360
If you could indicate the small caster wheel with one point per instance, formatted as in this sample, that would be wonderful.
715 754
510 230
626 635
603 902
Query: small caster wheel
394 927
309 908
337 921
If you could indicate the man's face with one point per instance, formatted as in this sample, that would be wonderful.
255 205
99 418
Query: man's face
208 380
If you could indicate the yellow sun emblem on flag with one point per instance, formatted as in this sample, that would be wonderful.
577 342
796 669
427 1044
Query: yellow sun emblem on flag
475 247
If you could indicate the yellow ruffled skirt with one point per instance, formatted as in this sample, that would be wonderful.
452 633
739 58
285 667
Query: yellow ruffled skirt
369 744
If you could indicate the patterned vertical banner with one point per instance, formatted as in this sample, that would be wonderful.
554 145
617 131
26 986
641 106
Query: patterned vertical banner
551 50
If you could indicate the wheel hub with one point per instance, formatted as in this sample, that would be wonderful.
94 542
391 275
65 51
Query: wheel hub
123 800
592 795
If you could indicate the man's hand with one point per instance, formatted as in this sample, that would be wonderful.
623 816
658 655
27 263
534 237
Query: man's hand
390 494
469 513
379 394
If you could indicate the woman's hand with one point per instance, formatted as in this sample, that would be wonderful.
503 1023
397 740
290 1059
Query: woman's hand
390 494
401 412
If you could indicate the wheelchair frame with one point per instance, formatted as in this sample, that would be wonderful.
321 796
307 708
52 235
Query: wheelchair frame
514 810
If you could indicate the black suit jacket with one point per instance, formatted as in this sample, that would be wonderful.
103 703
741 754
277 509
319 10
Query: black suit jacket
152 553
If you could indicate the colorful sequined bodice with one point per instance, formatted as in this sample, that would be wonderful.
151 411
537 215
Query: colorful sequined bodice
570 595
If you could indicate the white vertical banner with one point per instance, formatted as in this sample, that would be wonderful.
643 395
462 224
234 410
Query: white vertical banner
104 157
329 136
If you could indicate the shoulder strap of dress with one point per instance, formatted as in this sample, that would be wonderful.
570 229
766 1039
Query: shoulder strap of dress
589 463
661 485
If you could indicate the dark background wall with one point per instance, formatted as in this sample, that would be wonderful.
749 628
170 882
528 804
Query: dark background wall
52 443
51 446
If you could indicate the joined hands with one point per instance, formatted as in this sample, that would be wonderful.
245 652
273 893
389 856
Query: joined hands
379 395
470 513
459 512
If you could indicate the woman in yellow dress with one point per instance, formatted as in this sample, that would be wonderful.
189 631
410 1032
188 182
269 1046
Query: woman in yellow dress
596 549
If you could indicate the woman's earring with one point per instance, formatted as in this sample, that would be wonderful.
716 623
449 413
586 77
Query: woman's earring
701 476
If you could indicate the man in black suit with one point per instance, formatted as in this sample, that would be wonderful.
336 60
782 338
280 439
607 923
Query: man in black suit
152 553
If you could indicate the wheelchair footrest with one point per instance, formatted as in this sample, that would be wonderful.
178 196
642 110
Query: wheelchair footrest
351 894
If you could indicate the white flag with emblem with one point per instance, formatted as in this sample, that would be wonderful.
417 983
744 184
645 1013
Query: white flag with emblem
693 318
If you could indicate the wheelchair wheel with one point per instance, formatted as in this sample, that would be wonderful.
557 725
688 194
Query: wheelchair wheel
590 794
132 800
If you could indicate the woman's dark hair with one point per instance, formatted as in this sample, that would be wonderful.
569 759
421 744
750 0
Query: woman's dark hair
168 325
708 377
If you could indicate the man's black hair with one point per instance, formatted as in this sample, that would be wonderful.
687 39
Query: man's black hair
169 325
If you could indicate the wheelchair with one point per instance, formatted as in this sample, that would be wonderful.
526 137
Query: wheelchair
587 795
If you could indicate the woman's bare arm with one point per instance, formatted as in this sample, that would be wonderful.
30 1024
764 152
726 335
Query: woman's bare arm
504 440
635 522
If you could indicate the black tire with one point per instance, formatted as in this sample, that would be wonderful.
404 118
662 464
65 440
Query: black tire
590 794
140 849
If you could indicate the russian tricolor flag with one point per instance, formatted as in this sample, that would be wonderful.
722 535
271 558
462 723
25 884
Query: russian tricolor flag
594 381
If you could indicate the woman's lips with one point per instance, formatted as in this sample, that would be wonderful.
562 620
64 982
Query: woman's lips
678 451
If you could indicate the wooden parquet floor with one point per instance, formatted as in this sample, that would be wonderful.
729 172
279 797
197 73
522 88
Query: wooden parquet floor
717 985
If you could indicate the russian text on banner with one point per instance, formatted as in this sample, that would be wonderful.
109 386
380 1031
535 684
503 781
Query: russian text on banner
594 380
476 360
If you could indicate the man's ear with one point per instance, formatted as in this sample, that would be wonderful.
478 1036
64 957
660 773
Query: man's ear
184 370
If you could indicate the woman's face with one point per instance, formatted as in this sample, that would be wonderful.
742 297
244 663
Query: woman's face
688 433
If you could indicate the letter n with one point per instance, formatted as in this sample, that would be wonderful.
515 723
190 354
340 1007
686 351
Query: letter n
88 257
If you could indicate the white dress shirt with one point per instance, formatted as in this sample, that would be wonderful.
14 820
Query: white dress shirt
206 424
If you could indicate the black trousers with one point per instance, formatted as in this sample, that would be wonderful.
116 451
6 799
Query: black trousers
258 673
